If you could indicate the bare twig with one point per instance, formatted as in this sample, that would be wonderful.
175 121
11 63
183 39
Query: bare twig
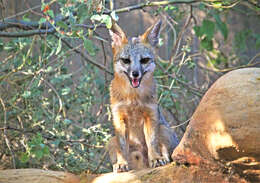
150 4
83 141
231 5
253 59
35 27
32 10
17 129
105 58
23 12
183 123
190 88
2 6
166 17
251 6
112 4
25 25
175 117
178 41
61 108
214 69
86 57
27 33
101 161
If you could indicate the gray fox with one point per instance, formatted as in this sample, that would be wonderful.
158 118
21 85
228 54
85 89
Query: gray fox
142 136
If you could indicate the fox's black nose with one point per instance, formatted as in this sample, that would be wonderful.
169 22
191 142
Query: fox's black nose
135 74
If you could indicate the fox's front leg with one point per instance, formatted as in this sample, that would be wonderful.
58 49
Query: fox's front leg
123 144
151 132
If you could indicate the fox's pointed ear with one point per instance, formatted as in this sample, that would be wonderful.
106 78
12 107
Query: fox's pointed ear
152 34
117 35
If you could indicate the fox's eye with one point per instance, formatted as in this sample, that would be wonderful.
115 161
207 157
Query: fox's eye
126 60
145 60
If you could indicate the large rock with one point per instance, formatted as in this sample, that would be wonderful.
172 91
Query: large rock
171 173
36 176
226 125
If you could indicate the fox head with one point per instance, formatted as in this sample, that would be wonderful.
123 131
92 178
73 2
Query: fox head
134 58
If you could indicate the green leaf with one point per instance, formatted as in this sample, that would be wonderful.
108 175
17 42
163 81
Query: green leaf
160 42
88 45
50 12
42 20
198 32
24 157
26 94
107 20
83 13
207 44
166 8
191 65
217 4
1 45
221 26
208 28
65 91
241 39
173 7
45 150
25 18
257 43
39 154
177 105
96 18
103 19
49 69
59 47
67 121
114 16
62 24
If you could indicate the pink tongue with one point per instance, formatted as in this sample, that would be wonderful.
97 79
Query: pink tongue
135 82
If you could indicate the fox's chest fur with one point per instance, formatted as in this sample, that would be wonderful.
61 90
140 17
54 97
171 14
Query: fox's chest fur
133 105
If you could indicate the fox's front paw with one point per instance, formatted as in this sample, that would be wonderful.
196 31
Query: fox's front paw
120 167
158 162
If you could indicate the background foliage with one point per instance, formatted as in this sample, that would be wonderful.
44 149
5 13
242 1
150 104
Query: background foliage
56 68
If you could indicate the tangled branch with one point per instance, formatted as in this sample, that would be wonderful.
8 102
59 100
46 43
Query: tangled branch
48 28
32 28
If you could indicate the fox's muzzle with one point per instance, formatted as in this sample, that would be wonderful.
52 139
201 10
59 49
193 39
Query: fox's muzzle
135 78
135 82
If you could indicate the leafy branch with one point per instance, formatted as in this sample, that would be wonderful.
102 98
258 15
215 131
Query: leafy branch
48 28
33 28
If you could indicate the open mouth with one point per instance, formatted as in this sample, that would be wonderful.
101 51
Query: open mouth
135 82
